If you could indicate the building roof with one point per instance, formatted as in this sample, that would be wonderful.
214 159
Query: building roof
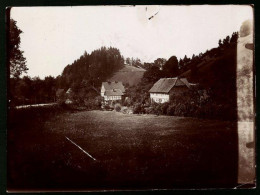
164 85
114 92
69 91
114 85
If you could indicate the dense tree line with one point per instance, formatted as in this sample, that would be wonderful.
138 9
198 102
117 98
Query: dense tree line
29 90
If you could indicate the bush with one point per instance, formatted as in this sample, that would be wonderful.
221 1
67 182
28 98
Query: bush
138 108
157 109
124 110
117 107
89 103
171 110
127 101
106 107
164 108
161 109
180 110
98 101
149 110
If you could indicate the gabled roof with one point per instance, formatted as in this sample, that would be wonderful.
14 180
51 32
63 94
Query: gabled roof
164 85
114 85
114 92
69 91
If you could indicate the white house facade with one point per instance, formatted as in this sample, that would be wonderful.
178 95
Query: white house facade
103 90
160 97
113 97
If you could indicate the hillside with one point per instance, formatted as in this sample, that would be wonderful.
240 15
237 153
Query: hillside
128 74
217 72
218 75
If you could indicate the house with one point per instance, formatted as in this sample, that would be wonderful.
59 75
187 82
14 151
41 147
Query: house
163 88
69 96
112 91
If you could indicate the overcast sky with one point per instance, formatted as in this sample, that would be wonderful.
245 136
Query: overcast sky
56 36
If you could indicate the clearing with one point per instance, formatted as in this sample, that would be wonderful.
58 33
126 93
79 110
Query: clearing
128 74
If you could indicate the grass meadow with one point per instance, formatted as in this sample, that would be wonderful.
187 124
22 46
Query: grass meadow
49 149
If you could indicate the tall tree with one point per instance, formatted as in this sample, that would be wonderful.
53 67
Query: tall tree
226 41
220 43
171 68
153 74
186 60
17 61
159 62
181 64
234 37
136 62
128 61
148 65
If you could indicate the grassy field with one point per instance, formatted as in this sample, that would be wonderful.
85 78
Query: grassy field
131 152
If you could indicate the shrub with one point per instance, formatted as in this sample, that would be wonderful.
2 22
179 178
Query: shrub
117 107
180 110
61 102
124 110
137 108
127 101
161 109
106 107
149 110
171 110
98 101
89 103
164 108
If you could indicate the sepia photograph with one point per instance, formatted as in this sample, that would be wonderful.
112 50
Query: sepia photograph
115 98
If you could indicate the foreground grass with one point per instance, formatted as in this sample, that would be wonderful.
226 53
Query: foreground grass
131 152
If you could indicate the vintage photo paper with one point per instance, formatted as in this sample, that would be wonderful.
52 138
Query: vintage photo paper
151 97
